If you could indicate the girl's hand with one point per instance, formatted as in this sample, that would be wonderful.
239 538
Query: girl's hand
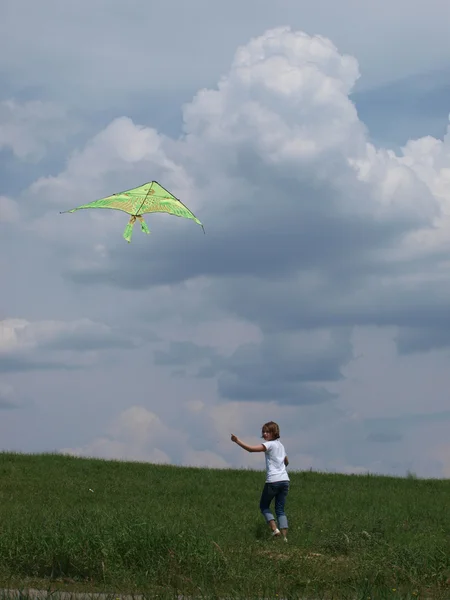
233 438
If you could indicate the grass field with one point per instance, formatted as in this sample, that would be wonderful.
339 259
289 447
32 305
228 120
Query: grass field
164 530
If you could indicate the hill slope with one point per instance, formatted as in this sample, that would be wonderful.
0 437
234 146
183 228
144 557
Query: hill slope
155 528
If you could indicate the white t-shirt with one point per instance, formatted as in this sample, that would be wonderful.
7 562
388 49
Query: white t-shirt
275 467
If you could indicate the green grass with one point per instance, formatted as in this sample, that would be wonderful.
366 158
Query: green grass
164 530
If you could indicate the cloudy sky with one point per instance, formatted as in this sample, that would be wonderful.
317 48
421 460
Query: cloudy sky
313 143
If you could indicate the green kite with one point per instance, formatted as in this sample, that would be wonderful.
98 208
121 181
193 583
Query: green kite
148 198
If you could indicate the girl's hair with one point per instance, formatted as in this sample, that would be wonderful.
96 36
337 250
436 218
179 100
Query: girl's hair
272 428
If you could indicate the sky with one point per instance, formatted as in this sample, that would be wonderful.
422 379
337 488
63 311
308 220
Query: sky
313 144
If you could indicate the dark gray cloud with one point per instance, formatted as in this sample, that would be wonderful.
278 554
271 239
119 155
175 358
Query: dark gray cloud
433 335
271 371
262 252
285 368
21 364
270 233
83 341
47 345
183 353
233 386
359 301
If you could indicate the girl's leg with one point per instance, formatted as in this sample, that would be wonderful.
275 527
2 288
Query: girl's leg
273 527
280 501
264 505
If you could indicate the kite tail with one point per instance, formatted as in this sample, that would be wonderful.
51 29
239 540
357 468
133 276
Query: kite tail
144 226
129 229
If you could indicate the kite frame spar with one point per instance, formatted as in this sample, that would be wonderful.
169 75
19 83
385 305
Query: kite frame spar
161 200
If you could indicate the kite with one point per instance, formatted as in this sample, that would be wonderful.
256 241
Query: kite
148 198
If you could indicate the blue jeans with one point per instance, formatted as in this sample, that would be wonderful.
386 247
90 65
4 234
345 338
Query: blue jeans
278 490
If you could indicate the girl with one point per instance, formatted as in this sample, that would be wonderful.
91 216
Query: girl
277 479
